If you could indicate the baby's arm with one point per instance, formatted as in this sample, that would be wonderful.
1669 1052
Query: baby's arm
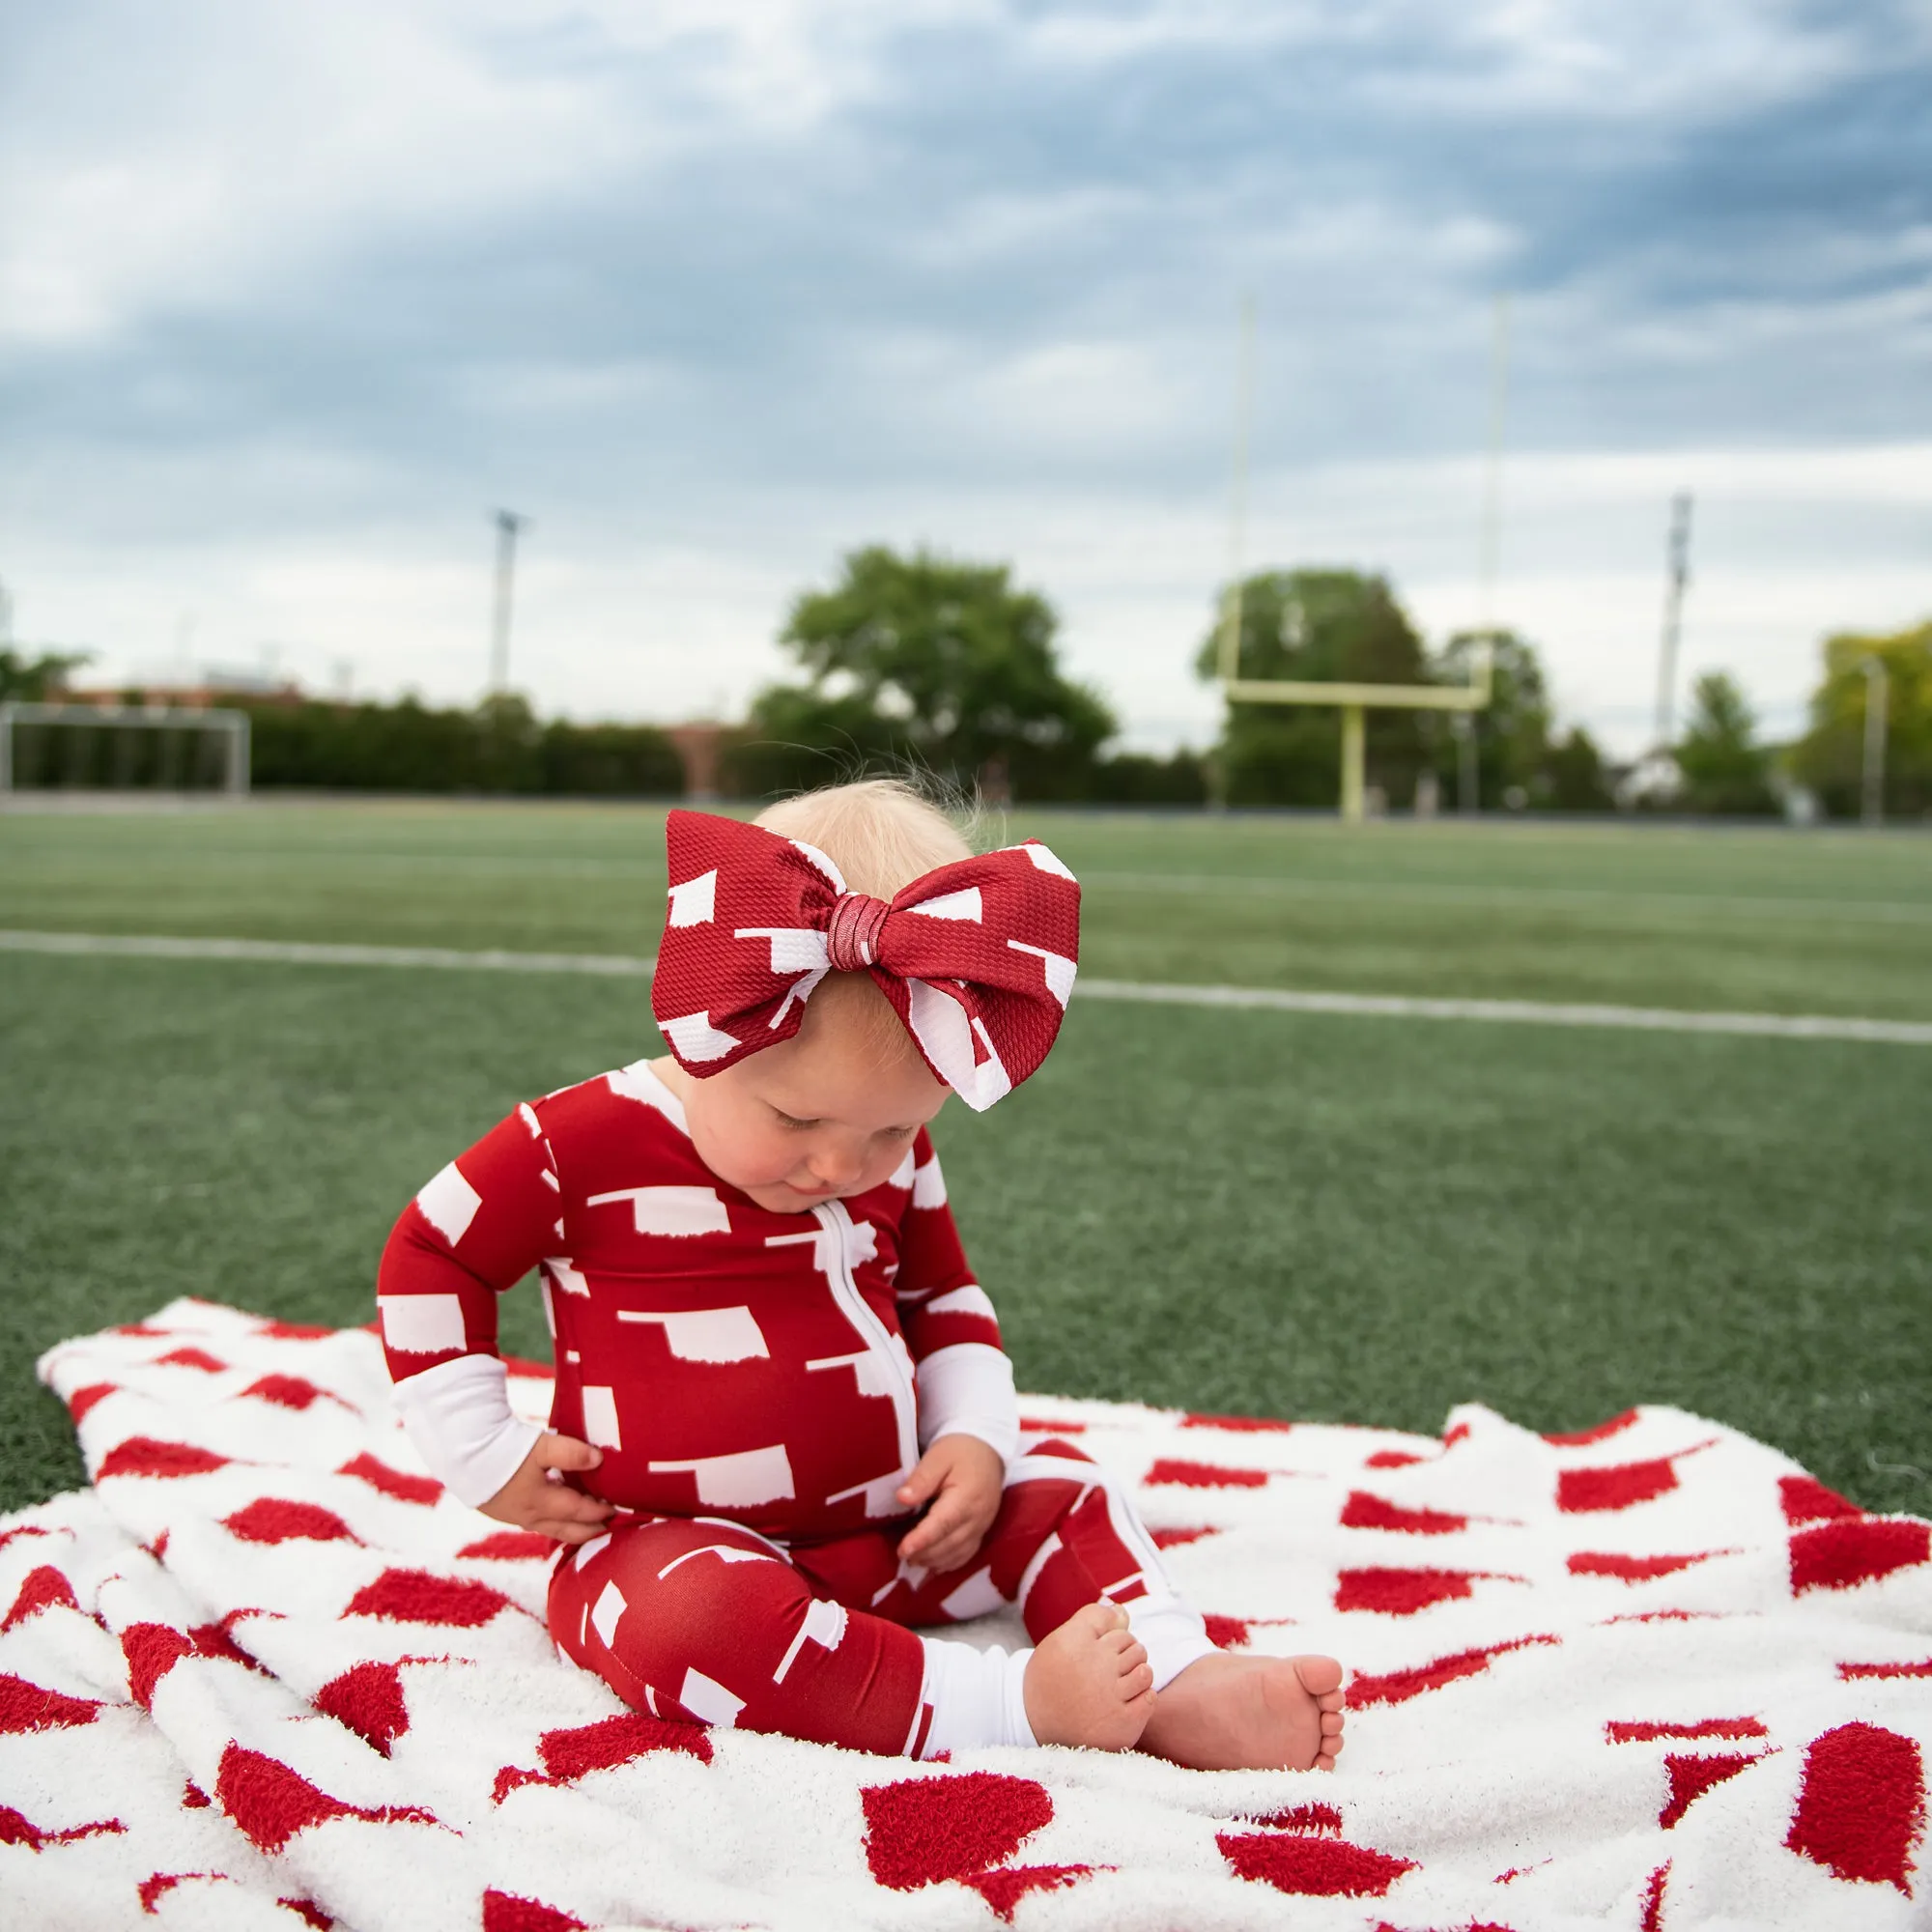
968 1415
474 1231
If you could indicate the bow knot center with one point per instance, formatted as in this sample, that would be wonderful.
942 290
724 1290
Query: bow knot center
852 938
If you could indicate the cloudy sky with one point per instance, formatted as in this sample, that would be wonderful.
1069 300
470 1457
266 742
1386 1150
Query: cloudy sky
715 290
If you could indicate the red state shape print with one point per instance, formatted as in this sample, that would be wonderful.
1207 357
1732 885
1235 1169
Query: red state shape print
570 1753
307 1910
405 1488
417 1597
1602 1431
145 1456
1619 1485
7 1536
1398 1686
33 1707
921 1830
1203 1475
368 1698
1636 1731
1037 1424
1172 1539
1635 1568
1363 1511
510 1546
1653 1900
282 1520
1691 1775
194 1798
193 1359
1849 1551
272 1803
1862 1805
1806 1500
1303 1818
1402 1593
1849 1672
16 1829
1312 1867
506 1912
151 1651
1392 1458
83 1399
157 1885
1226 1633
1004 1888
40 1588
295 1392
1237 1425
294 1331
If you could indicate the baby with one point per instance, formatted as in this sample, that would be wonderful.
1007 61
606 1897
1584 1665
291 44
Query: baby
783 1429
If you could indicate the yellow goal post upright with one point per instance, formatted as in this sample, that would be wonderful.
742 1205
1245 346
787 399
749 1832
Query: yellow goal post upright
1353 700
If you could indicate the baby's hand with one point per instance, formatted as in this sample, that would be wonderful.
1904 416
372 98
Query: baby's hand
534 1498
963 1477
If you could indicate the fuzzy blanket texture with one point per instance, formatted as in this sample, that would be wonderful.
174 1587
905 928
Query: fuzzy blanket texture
264 1673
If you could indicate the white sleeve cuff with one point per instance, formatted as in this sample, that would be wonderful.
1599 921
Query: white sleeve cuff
458 1415
968 1390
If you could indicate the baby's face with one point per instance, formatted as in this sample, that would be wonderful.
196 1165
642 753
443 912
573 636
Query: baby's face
810 1118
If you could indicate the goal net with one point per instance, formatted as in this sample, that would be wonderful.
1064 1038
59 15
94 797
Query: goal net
122 748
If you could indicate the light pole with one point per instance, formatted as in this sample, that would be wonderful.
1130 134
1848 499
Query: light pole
509 526
1875 707
1673 618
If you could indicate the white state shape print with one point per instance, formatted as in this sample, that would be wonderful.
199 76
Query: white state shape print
824 1625
670 1211
971 1299
422 1324
974 1597
707 1334
795 949
965 904
1044 859
450 1204
610 1607
568 1280
740 1481
696 1039
872 1374
824 864
696 901
901 1176
708 1701
600 1418
929 1186
587 1550
1061 971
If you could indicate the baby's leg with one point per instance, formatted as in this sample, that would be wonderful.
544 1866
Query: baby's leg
1067 1535
704 1621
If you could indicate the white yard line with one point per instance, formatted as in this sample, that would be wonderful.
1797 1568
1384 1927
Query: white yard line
1267 999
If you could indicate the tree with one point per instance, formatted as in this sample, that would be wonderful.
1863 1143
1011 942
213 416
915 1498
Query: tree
25 679
1830 758
1724 768
1321 626
1578 780
943 662
1512 731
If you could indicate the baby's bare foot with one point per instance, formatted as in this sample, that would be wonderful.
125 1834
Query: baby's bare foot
1089 1683
1250 1714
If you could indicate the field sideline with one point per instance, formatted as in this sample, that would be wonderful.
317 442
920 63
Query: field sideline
1332 1215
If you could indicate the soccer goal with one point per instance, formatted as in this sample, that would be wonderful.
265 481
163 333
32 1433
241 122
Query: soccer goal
122 748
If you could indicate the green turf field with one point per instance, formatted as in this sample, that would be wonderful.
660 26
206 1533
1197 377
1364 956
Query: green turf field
1342 1218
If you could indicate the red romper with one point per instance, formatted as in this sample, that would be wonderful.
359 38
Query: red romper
761 1384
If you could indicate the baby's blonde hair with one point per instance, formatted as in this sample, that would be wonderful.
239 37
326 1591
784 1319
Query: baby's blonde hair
881 835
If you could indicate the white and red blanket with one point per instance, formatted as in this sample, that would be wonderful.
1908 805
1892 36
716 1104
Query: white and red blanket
264 1673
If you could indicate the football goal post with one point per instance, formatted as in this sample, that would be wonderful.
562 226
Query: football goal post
1352 701
122 748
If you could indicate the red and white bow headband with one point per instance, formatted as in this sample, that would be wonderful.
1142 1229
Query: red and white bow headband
977 957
